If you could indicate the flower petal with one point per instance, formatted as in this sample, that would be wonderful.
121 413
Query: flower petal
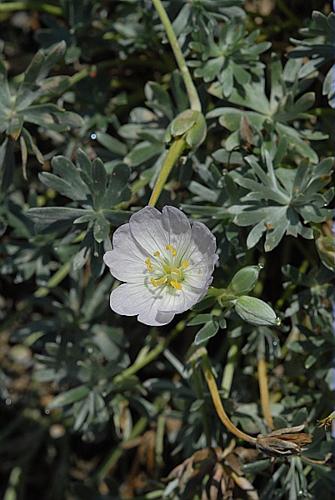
124 267
203 242
174 302
153 317
179 228
182 300
124 240
127 260
147 229
130 299
198 274
201 256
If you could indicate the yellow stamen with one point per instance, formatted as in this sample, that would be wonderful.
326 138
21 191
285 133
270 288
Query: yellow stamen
176 284
171 249
149 265
158 281
171 276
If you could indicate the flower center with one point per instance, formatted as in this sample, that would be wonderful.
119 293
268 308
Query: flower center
167 270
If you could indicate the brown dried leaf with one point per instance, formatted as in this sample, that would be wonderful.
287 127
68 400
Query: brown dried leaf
246 486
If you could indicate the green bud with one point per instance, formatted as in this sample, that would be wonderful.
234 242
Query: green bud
192 125
197 134
183 122
326 249
255 311
245 279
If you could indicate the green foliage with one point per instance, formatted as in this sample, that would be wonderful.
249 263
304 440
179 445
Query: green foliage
278 201
272 118
96 191
21 104
97 405
232 61
319 46
205 14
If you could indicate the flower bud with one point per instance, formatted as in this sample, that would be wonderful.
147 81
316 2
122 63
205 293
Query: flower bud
326 249
255 311
245 279
192 125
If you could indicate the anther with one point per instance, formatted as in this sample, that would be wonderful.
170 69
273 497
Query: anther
176 284
149 265
171 249
158 281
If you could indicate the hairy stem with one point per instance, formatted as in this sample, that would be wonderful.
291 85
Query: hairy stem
190 88
176 149
264 391
219 406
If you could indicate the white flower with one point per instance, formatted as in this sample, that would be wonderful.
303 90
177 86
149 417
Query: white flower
165 262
